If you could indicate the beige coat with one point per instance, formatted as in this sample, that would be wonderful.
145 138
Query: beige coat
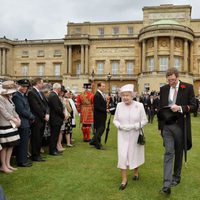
7 111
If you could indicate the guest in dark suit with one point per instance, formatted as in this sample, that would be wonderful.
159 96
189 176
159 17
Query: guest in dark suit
56 118
100 114
151 108
40 110
23 109
180 97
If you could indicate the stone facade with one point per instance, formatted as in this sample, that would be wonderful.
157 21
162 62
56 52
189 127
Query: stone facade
137 52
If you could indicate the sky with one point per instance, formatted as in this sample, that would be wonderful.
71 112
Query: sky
47 19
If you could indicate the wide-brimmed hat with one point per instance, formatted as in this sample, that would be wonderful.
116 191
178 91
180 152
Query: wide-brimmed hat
8 87
127 88
24 82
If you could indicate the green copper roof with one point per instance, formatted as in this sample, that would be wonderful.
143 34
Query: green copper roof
166 21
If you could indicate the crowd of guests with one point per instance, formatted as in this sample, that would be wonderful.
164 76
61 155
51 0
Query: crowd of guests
28 112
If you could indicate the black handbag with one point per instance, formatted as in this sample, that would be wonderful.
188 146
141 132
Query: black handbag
141 138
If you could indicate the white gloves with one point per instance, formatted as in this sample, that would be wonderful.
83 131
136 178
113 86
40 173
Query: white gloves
130 127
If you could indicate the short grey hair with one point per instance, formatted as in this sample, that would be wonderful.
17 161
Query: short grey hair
56 86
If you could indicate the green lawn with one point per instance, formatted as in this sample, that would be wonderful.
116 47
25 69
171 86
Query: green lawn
84 173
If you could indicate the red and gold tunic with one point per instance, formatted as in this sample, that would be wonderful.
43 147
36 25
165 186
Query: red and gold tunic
85 107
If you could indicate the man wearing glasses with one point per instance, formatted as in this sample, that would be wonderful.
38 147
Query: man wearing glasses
177 100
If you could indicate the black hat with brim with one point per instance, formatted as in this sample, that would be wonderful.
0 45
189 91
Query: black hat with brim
24 82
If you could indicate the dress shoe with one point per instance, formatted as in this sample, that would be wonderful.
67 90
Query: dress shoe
55 153
38 159
165 191
123 186
27 164
174 183
136 178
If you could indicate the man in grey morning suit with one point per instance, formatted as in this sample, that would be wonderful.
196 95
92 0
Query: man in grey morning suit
179 96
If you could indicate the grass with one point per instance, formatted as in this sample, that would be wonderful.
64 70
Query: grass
84 173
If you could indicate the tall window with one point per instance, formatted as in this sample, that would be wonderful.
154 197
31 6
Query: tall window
163 63
100 67
78 30
115 67
115 31
130 30
113 89
130 66
57 69
40 70
78 69
177 63
101 31
25 70
150 64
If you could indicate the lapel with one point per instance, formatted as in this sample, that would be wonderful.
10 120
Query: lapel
166 95
179 94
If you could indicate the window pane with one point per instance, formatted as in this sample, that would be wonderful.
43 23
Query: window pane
25 70
78 69
177 63
163 63
41 70
101 31
130 66
57 70
115 30
115 67
130 30
151 64
100 68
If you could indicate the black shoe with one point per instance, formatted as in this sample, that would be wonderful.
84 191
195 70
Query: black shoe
27 164
92 142
55 153
38 159
136 178
174 183
165 191
123 186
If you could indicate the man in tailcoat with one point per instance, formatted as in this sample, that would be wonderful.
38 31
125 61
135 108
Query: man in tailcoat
100 114
151 104
23 109
39 108
181 99
56 118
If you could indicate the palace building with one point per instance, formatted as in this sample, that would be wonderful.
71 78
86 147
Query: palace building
118 53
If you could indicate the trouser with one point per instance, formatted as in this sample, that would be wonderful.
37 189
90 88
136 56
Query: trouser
37 132
55 130
173 142
22 148
86 132
97 135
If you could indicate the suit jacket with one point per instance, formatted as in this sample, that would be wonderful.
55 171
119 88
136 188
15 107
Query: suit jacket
56 110
23 109
100 107
39 106
185 99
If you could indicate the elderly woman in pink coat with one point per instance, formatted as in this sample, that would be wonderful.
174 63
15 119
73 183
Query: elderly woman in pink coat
129 118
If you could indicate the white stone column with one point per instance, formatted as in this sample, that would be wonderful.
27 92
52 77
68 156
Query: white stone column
185 56
70 60
0 63
171 52
191 58
156 53
86 59
143 56
4 62
66 70
82 59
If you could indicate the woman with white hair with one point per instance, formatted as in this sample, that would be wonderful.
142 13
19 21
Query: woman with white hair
9 121
129 118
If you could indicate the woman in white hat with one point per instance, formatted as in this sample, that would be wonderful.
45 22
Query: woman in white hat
9 121
129 118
